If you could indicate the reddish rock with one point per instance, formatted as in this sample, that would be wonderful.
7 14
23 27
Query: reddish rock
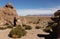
7 13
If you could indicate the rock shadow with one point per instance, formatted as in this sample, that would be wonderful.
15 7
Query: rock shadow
49 36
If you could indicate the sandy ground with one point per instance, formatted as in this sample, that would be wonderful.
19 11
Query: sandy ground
31 34
4 34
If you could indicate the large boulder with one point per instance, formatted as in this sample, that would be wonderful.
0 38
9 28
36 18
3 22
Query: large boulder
7 14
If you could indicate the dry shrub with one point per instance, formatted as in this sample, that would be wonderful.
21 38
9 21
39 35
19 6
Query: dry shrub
11 26
17 32
3 28
27 27
37 27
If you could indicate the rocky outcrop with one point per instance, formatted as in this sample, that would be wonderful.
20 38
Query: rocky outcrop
7 14
57 13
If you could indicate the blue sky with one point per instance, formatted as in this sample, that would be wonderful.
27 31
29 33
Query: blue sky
31 7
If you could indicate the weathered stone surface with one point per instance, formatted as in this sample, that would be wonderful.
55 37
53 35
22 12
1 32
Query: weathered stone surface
7 14
57 13
56 19
9 5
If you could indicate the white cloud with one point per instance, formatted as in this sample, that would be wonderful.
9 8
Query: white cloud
24 12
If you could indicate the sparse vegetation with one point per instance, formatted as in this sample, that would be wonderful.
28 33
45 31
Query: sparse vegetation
37 27
10 26
3 28
28 27
17 32
24 25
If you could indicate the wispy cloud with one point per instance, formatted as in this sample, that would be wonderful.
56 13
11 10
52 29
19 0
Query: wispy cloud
24 12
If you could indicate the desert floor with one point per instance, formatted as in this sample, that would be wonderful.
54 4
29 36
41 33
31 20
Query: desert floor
31 34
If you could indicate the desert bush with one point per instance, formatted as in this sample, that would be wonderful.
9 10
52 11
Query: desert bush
28 27
10 26
24 25
3 28
37 27
17 32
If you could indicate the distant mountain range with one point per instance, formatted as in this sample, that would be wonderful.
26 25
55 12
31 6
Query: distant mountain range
41 15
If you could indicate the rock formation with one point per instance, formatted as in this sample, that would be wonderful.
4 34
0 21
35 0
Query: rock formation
7 14
57 13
